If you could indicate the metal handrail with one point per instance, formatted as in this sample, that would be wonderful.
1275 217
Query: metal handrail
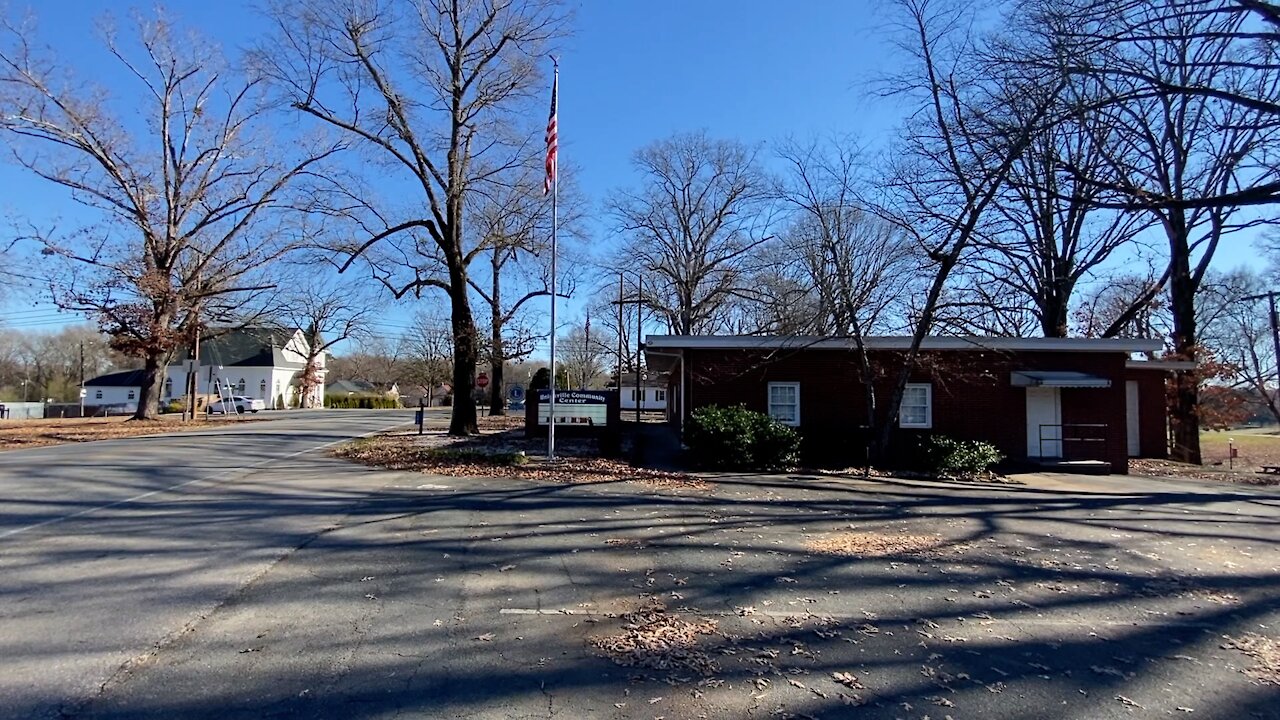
1063 439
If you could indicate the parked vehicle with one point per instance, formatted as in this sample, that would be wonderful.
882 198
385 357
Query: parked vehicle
239 403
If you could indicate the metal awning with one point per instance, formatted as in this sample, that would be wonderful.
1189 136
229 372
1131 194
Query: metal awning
1058 379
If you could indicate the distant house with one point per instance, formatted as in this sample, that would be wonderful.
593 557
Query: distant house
116 390
259 362
429 396
652 393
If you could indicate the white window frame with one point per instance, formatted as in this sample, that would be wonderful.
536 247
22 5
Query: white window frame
660 395
768 400
928 407
133 394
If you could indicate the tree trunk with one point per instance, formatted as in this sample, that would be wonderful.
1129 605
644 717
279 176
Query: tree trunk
498 356
1185 405
149 390
462 420
1053 313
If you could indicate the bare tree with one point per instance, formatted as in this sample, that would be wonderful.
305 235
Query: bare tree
855 265
1053 234
513 222
328 313
189 200
584 356
1179 155
957 154
1239 332
690 229
432 89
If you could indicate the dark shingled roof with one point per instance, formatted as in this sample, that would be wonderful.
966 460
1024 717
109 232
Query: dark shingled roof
125 378
246 347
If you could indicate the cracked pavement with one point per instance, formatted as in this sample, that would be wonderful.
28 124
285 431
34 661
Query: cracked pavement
419 596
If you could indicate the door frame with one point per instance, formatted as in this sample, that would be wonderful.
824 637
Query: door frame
1040 399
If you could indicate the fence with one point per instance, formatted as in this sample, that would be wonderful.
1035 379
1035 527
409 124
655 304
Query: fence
22 411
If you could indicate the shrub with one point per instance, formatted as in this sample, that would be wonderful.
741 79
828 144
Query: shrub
734 438
361 402
964 458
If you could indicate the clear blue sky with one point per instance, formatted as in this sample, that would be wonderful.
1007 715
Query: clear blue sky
635 71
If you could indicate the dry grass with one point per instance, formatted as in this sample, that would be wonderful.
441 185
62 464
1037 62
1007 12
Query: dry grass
16 434
1265 652
655 639
866 544
501 454
1254 447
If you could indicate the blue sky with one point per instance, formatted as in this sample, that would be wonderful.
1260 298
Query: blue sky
634 72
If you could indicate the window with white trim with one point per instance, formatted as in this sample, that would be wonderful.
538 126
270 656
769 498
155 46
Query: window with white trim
133 394
784 402
917 406
97 395
660 395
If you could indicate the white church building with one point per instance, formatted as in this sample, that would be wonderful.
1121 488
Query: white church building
258 362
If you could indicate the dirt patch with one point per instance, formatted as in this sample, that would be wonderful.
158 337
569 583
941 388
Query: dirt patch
17 434
655 639
1265 652
863 544
1213 473
505 454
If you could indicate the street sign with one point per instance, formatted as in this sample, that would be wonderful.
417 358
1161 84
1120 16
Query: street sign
84 393
515 393
482 381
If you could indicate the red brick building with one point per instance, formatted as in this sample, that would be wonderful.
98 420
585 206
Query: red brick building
1037 399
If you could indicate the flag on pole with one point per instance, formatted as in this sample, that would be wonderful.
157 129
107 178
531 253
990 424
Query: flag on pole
553 139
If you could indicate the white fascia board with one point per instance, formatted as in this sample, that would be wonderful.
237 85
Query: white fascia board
751 342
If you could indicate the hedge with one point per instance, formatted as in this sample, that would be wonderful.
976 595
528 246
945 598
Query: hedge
734 438
361 402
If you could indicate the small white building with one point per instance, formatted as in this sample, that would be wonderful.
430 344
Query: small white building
652 393
260 362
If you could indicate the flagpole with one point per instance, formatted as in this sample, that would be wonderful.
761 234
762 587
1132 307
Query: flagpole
555 193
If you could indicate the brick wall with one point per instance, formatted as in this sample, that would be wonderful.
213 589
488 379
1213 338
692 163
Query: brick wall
972 395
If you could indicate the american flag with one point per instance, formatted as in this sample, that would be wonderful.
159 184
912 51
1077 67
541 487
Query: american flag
553 139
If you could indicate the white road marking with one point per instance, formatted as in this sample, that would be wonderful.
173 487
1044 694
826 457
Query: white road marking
143 496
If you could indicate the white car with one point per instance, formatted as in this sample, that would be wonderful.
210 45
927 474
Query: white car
237 403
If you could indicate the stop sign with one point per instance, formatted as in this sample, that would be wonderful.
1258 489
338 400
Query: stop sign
482 381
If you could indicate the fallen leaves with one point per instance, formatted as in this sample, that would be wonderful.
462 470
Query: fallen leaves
1265 653
508 454
869 544
848 680
655 639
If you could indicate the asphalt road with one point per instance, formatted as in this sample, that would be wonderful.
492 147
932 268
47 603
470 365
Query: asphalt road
111 549
308 588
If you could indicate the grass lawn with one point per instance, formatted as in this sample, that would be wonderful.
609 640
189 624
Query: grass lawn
1256 447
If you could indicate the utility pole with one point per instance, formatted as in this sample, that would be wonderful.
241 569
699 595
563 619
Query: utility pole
1275 330
193 376
639 346
82 378
621 327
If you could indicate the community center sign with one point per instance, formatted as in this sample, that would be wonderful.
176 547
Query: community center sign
575 407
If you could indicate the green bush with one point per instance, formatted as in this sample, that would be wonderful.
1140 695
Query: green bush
360 402
734 438
963 458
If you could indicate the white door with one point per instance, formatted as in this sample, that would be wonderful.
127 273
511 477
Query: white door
1131 417
1044 422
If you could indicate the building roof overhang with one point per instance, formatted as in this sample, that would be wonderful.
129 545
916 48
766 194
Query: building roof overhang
670 343
1057 379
